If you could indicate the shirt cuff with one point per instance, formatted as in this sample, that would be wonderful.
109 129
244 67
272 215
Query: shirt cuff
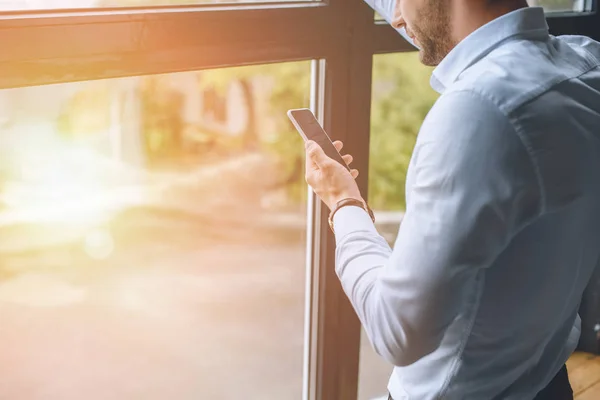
350 219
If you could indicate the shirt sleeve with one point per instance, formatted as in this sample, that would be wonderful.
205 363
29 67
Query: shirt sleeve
474 188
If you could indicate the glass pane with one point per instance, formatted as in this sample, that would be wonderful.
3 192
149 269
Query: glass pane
559 5
18 5
401 99
153 237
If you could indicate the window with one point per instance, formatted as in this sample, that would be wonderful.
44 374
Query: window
137 51
157 235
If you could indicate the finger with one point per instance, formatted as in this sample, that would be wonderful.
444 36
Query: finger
315 156
354 173
348 159
338 145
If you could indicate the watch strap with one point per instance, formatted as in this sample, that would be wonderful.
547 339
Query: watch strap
349 202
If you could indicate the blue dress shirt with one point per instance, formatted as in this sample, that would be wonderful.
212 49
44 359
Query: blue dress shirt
479 297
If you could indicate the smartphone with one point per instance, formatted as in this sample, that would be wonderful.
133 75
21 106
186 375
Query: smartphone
310 129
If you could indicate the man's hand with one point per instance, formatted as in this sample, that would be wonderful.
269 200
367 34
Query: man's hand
330 180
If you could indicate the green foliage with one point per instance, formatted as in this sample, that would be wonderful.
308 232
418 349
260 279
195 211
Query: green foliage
162 126
291 90
402 98
289 87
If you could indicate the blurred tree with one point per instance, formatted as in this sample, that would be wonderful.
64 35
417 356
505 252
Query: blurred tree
86 112
402 97
162 122
288 87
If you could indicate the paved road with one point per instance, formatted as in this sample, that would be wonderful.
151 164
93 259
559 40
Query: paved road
224 323
185 316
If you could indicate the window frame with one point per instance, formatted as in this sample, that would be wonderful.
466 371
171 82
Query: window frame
60 46
585 23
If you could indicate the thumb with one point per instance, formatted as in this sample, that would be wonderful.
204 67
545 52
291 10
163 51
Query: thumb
315 154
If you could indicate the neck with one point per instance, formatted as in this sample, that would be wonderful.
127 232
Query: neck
470 15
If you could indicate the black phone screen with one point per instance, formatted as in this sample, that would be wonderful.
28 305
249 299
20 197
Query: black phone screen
310 128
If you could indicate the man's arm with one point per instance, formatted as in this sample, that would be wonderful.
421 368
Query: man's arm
474 188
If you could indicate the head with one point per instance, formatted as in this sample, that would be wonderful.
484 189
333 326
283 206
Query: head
429 24
437 26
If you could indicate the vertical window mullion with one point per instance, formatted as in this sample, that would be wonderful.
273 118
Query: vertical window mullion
341 100
313 250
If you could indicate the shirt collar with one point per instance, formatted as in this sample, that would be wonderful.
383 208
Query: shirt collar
529 22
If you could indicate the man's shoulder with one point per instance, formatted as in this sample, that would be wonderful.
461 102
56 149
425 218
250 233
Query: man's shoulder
508 76
520 71
466 135
465 121
583 45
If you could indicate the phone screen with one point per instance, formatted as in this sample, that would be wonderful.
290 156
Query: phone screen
310 129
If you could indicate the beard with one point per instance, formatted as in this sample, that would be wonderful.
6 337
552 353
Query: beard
433 32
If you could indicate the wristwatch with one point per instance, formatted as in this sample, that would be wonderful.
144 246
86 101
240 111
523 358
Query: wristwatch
350 202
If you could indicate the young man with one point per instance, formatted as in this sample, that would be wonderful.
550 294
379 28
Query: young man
479 298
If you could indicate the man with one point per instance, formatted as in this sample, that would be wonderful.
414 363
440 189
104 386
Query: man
479 298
